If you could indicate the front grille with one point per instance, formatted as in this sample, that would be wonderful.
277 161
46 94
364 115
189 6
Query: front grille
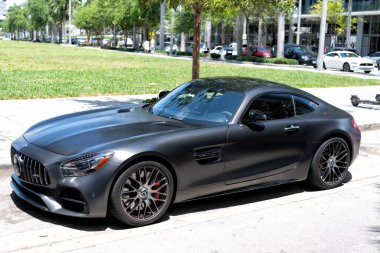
366 64
30 170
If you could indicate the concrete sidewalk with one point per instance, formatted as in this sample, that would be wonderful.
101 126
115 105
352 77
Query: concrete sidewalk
18 115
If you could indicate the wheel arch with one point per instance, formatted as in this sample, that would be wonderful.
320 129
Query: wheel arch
349 65
340 134
141 158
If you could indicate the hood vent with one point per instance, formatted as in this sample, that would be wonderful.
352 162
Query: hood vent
123 110
167 125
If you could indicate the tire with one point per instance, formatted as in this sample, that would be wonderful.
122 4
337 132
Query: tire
367 72
324 65
330 164
346 67
142 194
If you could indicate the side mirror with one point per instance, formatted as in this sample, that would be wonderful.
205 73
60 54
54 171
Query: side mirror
163 93
257 115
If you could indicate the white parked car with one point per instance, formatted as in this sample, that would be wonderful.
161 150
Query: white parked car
374 57
347 61
167 47
218 50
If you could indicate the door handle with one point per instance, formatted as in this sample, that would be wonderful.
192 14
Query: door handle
292 128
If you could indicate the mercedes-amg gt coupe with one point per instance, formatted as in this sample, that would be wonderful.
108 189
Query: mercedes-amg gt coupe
207 137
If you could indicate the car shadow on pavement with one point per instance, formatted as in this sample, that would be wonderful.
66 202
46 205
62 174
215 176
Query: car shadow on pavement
243 198
201 205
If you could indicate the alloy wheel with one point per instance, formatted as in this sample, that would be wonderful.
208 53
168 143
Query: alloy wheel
144 193
334 162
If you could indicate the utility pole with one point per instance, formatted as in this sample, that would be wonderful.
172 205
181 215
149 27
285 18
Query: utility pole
69 22
299 22
322 35
348 30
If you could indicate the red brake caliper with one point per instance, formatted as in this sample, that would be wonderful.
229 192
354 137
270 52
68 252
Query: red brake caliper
156 195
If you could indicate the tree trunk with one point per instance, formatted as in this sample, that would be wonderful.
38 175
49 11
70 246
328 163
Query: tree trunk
260 32
134 36
216 35
60 34
222 35
207 33
280 35
64 27
114 36
183 42
196 39
239 33
162 24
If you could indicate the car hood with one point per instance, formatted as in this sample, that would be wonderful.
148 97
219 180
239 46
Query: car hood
310 56
359 60
74 133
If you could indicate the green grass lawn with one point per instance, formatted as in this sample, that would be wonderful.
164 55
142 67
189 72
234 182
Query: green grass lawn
31 70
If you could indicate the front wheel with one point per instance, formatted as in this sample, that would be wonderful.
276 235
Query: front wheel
330 164
367 72
346 67
142 194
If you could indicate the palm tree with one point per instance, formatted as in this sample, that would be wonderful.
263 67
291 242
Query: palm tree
59 13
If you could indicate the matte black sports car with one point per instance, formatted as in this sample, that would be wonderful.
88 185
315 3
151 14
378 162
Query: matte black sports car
207 137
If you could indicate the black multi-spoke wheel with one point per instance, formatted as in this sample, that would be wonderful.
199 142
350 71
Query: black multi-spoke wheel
142 193
330 164
346 67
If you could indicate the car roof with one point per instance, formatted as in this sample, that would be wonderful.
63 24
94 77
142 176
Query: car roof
237 84
340 52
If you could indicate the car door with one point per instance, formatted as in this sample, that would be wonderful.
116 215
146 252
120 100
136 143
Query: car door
336 61
268 147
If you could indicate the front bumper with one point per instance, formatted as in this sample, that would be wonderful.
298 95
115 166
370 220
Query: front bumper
361 67
85 196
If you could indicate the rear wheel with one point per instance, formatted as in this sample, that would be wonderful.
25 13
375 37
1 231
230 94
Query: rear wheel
324 65
367 72
346 67
330 164
142 194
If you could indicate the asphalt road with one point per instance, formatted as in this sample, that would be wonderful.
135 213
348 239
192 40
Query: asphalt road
289 218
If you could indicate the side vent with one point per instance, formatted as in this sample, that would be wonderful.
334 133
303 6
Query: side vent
208 155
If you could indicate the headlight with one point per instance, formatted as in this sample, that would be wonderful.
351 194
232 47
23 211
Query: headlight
305 57
85 165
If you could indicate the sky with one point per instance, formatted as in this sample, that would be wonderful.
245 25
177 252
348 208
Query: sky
11 2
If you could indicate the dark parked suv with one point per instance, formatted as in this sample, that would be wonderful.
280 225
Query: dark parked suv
301 53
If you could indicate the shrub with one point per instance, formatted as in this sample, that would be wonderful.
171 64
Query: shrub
215 56
230 57
160 51
179 53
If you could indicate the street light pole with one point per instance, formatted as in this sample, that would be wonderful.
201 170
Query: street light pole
299 22
69 22
322 35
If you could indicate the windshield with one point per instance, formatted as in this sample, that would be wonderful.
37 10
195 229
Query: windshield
348 55
264 48
302 50
200 103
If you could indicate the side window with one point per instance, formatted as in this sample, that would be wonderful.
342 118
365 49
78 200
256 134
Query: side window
275 106
304 105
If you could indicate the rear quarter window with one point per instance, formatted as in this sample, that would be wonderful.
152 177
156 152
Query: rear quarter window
304 105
